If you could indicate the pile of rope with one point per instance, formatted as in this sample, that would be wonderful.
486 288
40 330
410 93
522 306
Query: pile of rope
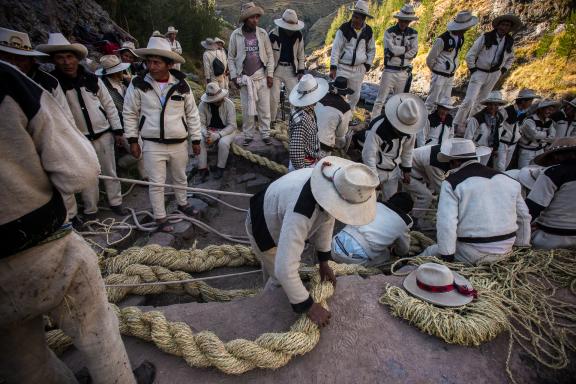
419 242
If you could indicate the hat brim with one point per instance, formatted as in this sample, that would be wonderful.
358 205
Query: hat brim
291 27
22 52
251 12
126 49
310 98
546 160
447 106
443 299
481 151
516 22
455 26
115 69
341 91
390 111
547 104
355 10
401 16
212 99
493 101
207 46
79 49
169 32
142 52
328 198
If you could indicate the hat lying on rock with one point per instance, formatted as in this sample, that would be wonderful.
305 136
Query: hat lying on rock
340 84
289 21
458 148
345 189
463 20
406 13
17 43
494 97
515 20
213 93
406 112
527 93
446 102
58 43
159 46
127 46
560 145
361 7
308 91
437 284
248 10
110 64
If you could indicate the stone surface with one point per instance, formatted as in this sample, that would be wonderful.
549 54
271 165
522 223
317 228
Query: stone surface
245 177
162 238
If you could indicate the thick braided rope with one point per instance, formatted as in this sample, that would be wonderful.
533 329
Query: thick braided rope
282 137
257 159
419 242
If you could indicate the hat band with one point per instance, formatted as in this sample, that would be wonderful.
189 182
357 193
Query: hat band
463 290
15 45
214 94
331 179
304 93
290 21
105 70
464 21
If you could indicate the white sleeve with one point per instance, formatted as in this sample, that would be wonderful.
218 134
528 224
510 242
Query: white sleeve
370 150
192 117
131 112
434 52
447 220
523 221
473 52
337 46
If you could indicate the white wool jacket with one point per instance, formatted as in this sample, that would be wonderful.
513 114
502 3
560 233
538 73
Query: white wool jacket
333 114
480 205
285 216
481 132
51 84
237 52
171 122
400 47
510 133
353 48
427 168
490 53
299 63
175 45
564 126
536 134
443 56
227 113
207 60
436 130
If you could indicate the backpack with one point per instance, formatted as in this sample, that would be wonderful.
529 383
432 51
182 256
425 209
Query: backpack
218 67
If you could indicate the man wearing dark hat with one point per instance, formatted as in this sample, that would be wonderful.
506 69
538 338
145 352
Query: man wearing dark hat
565 119
439 124
538 131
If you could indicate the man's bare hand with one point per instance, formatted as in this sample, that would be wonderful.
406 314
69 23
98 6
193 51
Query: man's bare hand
326 273
196 149
406 178
332 74
135 150
269 81
319 315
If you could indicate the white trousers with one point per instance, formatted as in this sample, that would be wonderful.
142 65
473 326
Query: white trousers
480 85
157 158
389 182
390 83
104 147
282 74
440 87
466 253
505 153
355 75
543 240
420 193
262 108
223 151
525 156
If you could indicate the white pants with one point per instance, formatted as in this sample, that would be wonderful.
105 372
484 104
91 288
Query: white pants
262 107
390 83
355 75
440 87
420 193
465 253
158 157
525 156
543 240
480 85
223 151
104 147
505 153
282 74
389 182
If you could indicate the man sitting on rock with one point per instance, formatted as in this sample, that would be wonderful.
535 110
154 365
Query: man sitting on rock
438 126
371 245
303 205
538 131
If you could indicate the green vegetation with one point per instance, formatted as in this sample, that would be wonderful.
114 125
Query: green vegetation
567 42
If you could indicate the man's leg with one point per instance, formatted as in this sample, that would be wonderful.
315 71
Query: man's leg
224 149
248 122
474 86
487 87
155 163
387 82
509 155
105 150
437 91
203 157
501 157
275 93
525 157
421 195
91 195
263 107
543 240
399 82
177 164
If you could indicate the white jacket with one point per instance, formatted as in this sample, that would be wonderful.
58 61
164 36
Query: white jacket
480 205
51 84
207 60
536 134
564 128
435 131
443 56
333 114
352 48
481 133
299 63
400 47
168 123
510 133
489 53
427 168
227 113
237 52
175 46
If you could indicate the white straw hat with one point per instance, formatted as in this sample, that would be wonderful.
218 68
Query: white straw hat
213 93
17 43
458 148
345 189
219 40
171 29
308 91
361 7
58 43
289 21
515 20
110 64
157 34
248 10
527 176
406 112
494 97
546 103
446 102
406 13
527 93
159 46
209 43
463 20
437 284
127 46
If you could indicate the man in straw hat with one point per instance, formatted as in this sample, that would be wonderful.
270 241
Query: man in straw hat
127 54
289 60
442 59
160 109
538 131
215 63
481 212
551 200
391 138
303 205
251 64
302 129
333 114
94 113
372 244
439 124
46 268
400 48
174 44
490 57
218 124
565 119
353 50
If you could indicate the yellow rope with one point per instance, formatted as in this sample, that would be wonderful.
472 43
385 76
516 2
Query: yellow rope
419 242
257 159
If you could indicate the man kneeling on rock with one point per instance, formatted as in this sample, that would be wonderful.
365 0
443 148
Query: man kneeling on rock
300 206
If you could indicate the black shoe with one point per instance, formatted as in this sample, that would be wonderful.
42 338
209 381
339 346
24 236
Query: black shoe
119 210
203 175
267 140
88 217
145 373
218 173
77 224
247 142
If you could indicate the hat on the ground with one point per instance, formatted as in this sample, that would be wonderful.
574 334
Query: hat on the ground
157 34
110 64
159 46
308 91
437 284
446 102
248 10
345 189
463 20
494 97
406 112
219 40
361 7
560 145
289 21
209 43
545 104
515 20
17 43
527 93
402 201
570 102
340 84
171 29
406 13
58 43
458 148
127 46
213 93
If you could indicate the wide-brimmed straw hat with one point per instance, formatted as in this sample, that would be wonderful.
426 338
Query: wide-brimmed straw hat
345 189
526 176
308 91
438 285
213 93
515 20
458 148
361 7
209 43
157 34
159 46
406 13
219 40
340 84
127 46
58 43
171 29
446 102
560 145
289 21
546 103
110 64
527 93
570 102
17 43
406 112
464 20
248 10
494 97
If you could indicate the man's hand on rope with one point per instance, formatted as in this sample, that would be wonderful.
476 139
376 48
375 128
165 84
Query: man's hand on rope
319 315
135 150
326 273
269 81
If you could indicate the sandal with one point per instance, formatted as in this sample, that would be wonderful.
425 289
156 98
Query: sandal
165 226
